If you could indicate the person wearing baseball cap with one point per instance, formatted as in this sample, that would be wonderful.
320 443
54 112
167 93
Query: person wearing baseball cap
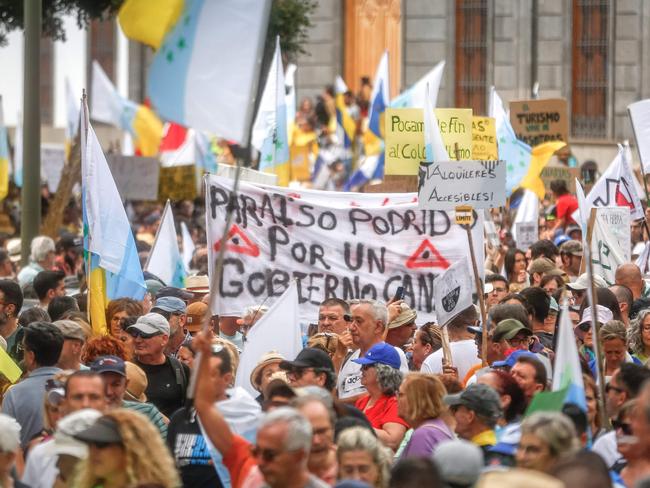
167 377
312 366
74 338
381 377
571 256
476 410
579 287
175 311
541 267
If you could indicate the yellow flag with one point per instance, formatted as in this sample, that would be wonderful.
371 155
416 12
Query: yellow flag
4 178
539 158
148 131
97 301
148 21
8 367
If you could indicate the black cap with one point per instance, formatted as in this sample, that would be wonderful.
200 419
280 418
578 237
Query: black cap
170 291
309 357
104 430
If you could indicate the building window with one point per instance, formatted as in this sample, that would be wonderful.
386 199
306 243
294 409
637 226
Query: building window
47 81
589 65
471 55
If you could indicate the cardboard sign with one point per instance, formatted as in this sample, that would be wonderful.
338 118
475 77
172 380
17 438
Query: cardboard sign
527 234
538 121
453 292
446 185
551 173
610 241
404 141
177 183
136 178
484 139
335 244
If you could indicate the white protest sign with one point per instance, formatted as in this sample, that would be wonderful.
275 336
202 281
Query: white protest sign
527 234
453 291
491 233
52 162
247 174
446 185
610 241
640 117
136 178
336 244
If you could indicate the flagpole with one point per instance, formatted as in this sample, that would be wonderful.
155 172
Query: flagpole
215 279
155 240
82 152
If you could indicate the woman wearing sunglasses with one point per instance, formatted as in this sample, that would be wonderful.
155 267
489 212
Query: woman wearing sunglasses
125 450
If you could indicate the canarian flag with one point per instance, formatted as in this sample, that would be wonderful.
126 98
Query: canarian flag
108 106
147 21
270 128
514 152
433 144
165 259
4 157
539 157
379 97
205 73
415 95
345 124
115 270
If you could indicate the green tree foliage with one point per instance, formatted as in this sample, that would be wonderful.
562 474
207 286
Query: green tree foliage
290 19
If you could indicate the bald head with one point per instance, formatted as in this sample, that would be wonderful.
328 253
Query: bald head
629 275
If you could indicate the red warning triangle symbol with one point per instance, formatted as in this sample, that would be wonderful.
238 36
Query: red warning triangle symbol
621 199
426 256
237 241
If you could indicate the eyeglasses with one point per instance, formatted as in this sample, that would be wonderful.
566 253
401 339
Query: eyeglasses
622 426
135 333
267 455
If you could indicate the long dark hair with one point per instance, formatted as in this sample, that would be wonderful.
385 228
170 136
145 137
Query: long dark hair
509 261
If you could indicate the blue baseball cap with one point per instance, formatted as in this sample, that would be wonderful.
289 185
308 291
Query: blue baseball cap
170 305
381 353
512 359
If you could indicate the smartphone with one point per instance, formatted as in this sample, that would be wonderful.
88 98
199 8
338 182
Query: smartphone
399 294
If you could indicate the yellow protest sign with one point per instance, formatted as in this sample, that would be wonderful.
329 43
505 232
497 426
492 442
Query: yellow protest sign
8 367
405 137
484 139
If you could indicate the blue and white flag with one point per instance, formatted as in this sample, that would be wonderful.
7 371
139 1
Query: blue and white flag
415 95
379 97
567 373
433 144
165 259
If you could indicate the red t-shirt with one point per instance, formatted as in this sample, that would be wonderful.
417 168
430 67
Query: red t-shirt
382 412
565 205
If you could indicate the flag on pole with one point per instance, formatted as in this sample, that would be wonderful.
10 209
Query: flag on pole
18 152
539 157
514 152
433 144
188 246
528 211
277 330
567 372
205 73
379 97
165 257
270 128
147 21
346 126
4 156
114 264
415 96
108 106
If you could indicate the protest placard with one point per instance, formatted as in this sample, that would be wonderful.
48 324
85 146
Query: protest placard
405 137
446 185
555 172
247 174
484 139
491 234
453 291
538 121
527 234
610 241
345 245
52 162
177 183
136 178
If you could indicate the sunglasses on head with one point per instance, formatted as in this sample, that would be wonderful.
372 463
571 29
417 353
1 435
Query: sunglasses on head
135 333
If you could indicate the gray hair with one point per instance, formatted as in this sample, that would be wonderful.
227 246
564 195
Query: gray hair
308 394
379 310
41 245
9 434
362 439
299 430
635 332
555 429
388 378
254 311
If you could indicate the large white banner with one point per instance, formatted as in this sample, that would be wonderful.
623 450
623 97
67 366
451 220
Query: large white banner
610 241
336 244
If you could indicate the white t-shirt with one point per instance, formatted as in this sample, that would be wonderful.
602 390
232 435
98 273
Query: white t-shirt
349 380
40 469
463 356
605 446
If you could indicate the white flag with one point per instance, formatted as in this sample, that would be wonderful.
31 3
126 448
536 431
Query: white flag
165 258
453 291
610 241
433 144
567 371
277 330
640 117
188 246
